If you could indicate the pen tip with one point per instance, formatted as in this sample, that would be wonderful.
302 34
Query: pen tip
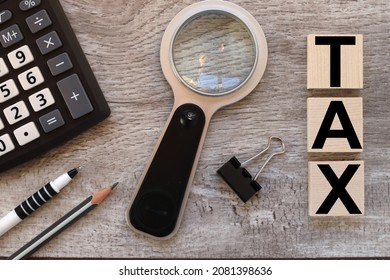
114 185
72 173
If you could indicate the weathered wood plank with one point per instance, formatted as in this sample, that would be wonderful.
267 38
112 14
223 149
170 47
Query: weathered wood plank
121 40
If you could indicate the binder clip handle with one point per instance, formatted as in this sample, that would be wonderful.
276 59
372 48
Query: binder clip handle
270 157
239 179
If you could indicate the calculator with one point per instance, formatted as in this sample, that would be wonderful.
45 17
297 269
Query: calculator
48 92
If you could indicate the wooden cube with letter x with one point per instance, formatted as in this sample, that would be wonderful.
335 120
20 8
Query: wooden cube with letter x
335 61
335 125
336 188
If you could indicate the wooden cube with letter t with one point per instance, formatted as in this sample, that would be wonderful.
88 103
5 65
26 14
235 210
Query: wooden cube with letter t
335 125
336 188
335 61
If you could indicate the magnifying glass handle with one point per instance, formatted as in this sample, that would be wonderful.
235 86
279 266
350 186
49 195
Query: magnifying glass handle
159 202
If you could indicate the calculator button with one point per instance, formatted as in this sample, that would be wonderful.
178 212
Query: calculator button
20 57
26 5
75 96
38 21
1 125
3 68
6 144
5 16
8 90
31 78
26 133
16 112
51 121
49 43
10 36
41 100
60 64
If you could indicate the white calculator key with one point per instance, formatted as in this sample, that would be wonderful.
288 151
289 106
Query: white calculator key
8 90
16 112
26 133
20 57
31 78
6 144
1 125
41 100
3 68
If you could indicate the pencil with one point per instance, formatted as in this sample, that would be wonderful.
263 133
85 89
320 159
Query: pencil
69 219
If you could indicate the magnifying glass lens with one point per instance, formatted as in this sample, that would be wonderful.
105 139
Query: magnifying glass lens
214 53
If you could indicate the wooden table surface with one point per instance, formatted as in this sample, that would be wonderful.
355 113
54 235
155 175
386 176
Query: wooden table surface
121 39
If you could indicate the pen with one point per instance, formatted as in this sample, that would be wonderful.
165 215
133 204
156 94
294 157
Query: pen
35 201
69 219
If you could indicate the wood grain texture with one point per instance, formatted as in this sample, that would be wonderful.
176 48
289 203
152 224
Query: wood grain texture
121 40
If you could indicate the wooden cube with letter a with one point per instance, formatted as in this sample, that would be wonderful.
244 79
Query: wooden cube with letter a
335 61
335 125
336 188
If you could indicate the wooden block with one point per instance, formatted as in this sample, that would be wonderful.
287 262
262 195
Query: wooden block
335 61
336 188
335 125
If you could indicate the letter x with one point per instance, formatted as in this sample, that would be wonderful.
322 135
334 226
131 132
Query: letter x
338 189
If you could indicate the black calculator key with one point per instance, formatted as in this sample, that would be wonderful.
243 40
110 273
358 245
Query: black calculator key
38 21
26 5
5 16
52 121
60 64
10 36
48 43
75 96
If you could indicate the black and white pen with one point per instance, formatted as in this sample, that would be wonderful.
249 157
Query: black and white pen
35 201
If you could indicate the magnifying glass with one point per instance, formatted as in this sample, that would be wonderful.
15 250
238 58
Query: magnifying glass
213 54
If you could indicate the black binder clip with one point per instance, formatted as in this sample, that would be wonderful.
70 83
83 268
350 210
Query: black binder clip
239 179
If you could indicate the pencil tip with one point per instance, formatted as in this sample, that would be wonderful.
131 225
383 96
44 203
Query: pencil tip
114 185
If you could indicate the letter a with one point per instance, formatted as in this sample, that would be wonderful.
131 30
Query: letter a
325 131
335 125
